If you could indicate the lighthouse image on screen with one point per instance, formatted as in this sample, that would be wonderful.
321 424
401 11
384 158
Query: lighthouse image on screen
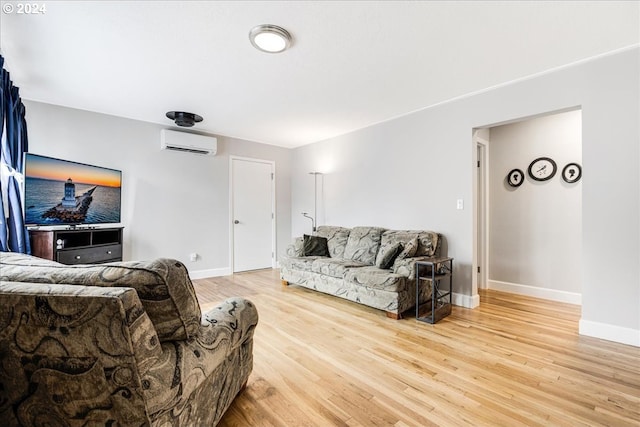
63 192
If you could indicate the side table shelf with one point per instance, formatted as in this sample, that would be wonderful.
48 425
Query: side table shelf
436 270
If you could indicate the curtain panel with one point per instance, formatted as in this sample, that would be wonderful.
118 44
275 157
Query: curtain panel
14 236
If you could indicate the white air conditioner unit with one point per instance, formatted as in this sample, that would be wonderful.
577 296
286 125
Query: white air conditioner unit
188 142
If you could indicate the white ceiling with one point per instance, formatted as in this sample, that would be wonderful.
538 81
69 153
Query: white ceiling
352 64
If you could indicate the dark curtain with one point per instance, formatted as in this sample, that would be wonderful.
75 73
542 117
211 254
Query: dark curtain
13 134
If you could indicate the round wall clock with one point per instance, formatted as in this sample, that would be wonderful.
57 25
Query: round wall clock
515 177
572 173
542 169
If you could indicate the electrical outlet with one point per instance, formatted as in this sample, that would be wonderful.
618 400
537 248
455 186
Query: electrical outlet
193 257
460 204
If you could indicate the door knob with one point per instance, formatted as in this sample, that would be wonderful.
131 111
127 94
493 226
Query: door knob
236 222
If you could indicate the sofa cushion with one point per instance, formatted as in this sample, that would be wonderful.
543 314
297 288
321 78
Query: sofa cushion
314 246
163 286
334 267
336 239
363 244
387 256
298 263
375 278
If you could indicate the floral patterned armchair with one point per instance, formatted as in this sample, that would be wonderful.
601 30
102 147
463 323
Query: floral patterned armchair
116 344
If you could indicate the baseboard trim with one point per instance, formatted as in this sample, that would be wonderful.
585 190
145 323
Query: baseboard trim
532 291
466 301
214 272
608 332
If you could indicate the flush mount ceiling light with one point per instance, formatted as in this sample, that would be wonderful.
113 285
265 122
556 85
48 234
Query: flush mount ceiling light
270 38
184 119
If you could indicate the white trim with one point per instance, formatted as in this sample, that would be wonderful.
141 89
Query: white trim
213 272
533 291
609 332
466 301
481 199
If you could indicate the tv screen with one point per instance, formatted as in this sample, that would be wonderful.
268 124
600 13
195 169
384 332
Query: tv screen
58 192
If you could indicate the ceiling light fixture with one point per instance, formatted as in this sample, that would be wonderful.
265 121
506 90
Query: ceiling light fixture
183 118
270 38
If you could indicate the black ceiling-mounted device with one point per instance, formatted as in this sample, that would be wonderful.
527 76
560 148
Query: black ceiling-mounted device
184 119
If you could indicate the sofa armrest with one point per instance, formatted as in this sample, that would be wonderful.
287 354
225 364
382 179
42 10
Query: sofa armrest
235 320
185 365
295 248
407 266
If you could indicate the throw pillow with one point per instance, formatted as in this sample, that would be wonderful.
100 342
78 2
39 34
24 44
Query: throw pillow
314 246
410 249
390 255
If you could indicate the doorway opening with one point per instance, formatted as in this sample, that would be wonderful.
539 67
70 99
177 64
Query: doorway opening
528 227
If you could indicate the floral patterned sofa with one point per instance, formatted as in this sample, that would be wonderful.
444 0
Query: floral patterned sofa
118 344
369 265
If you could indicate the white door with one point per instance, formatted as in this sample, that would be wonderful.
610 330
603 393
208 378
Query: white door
252 214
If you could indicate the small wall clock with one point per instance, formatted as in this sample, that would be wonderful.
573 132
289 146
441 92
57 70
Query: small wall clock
542 169
515 177
572 173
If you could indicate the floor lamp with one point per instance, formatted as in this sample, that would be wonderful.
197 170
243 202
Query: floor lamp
315 200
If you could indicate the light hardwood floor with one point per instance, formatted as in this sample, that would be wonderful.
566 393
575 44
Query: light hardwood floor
323 361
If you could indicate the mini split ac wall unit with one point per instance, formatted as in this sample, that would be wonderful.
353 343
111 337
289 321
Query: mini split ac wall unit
188 142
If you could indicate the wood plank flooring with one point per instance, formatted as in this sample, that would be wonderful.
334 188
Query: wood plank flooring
514 361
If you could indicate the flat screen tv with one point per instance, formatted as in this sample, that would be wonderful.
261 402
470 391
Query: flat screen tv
62 192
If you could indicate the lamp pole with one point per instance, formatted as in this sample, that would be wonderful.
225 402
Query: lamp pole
315 197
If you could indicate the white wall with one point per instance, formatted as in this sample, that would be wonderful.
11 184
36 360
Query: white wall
405 173
535 230
173 203
408 173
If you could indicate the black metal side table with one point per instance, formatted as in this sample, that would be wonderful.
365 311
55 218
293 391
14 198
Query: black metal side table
437 270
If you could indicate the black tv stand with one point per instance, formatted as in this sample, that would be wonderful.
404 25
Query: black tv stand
77 245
